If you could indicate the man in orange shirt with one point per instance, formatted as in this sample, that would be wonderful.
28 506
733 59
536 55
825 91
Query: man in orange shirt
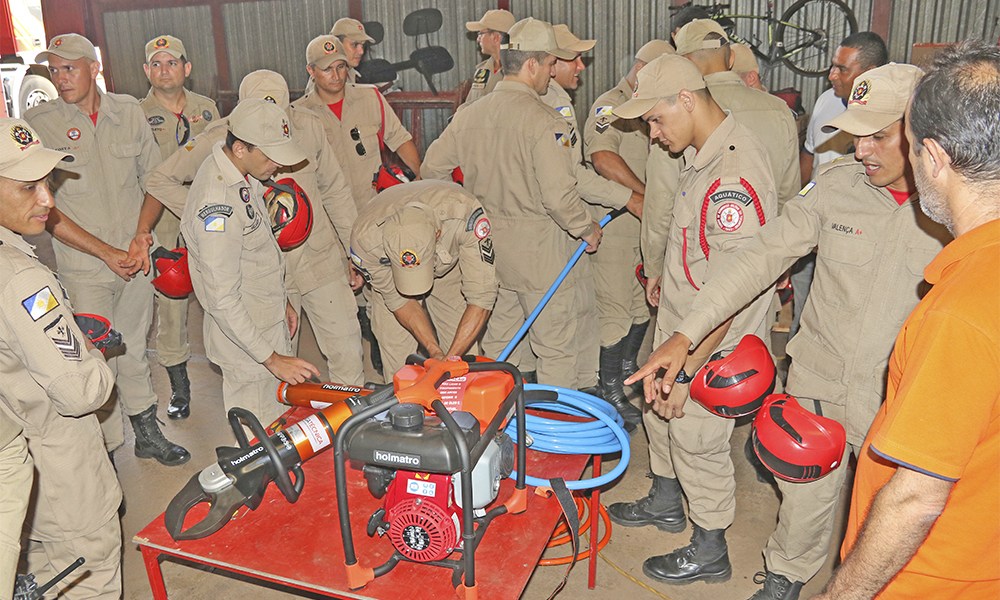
923 520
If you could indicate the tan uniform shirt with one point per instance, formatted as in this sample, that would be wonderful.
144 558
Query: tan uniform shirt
464 242
515 154
169 129
102 189
322 257
663 172
484 79
869 276
727 195
8 429
360 159
50 385
236 265
592 187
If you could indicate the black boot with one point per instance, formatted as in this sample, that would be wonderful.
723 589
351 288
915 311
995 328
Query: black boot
630 354
180 392
776 587
366 333
530 376
706 559
610 381
760 471
150 443
662 507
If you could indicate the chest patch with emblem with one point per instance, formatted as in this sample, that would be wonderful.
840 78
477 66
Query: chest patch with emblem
64 339
155 120
215 209
481 77
73 134
207 115
245 194
40 303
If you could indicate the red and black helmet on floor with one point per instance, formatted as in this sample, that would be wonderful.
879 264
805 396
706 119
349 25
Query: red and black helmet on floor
290 212
736 385
794 443
174 279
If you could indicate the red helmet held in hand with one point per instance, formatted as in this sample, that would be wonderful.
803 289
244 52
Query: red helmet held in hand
290 212
737 384
174 279
794 443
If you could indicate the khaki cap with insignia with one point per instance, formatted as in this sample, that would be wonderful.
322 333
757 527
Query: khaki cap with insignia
877 100
532 35
264 125
164 43
410 238
22 155
567 41
351 28
497 20
662 78
743 59
69 46
266 85
700 34
653 50
325 50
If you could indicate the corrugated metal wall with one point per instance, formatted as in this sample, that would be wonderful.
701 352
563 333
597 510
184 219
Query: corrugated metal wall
941 21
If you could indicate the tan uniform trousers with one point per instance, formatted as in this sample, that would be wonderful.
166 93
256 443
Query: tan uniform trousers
100 578
16 473
171 313
331 313
445 306
247 384
129 307
621 300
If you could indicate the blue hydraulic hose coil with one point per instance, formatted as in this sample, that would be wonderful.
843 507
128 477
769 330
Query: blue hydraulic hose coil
604 436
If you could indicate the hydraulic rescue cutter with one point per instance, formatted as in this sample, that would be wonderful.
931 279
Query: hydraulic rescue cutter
431 445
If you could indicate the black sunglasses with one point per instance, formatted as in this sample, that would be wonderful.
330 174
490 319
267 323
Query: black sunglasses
356 136
183 131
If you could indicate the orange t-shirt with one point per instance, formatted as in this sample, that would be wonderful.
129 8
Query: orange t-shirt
941 418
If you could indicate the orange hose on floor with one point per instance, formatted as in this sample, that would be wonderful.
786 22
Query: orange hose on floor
562 536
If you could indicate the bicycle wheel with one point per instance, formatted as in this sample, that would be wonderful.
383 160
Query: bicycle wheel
810 31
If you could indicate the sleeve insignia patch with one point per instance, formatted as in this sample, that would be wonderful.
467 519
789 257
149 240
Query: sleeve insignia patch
482 228
471 223
355 259
563 139
215 224
809 186
729 217
245 194
732 195
189 146
566 111
40 303
215 209
602 124
601 111
64 339
486 250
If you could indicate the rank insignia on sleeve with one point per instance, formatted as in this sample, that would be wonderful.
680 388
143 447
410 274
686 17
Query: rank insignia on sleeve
603 122
486 250
808 187
64 339
215 224
563 139
729 217
40 303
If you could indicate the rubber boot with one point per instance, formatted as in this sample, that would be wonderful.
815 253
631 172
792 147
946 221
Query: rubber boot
630 354
662 507
610 382
150 443
530 376
180 392
706 559
366 333
776 587
595 391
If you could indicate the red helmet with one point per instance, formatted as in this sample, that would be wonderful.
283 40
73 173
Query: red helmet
386 177
98 330
290 211
174 279
737 384
794 443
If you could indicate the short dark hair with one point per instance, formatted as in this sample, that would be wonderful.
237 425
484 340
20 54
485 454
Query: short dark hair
513 60
957 104
871 49
232 139
686 15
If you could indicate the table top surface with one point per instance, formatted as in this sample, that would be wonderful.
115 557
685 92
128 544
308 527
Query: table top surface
300 544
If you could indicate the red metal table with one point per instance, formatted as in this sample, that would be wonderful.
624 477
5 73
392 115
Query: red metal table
299 545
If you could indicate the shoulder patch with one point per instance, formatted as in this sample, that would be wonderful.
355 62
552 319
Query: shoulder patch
215 224
40 303
729 217
733 195
471 223
809 186
190 145
64 339
562 139
601 111
215 209
566 111
482 227
486 250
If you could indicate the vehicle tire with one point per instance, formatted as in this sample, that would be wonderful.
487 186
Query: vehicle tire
811 30
35 90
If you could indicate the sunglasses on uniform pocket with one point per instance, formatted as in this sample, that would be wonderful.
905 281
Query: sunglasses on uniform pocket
183 131
356 136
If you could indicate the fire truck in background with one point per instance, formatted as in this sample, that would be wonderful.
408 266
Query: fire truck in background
25 83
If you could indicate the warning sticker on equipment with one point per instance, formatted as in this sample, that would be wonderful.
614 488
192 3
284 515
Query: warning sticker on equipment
313 430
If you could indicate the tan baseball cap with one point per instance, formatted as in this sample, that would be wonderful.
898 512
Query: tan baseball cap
22 155
877 100
567 41
497 20
664 77
164 43
743 59
266 85
410 238
69 46
700 34
653 50
263 124
532 35
325 50
351 28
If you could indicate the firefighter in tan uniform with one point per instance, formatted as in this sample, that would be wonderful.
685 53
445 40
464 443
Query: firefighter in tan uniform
516 157
873 244
176 115
316 271
726 195
100 195
353 37
618 151
53 381
248 320
16 474
426 239
491 29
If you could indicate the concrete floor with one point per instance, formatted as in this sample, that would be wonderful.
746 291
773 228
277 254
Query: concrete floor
149 486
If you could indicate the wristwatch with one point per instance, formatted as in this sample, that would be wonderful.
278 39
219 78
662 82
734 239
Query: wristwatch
683 377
